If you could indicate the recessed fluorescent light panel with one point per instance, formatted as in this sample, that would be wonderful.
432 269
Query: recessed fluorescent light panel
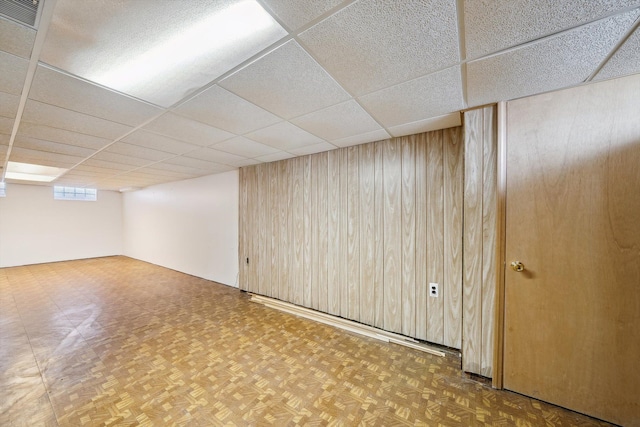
31 172
157 51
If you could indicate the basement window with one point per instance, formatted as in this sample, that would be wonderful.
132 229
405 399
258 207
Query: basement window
3 189
75 193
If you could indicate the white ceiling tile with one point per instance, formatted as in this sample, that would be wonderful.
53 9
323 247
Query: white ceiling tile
3 150
312 149
373 44
112 41
222 109
338 121
171 167
625 61
195 163
377 135
25 155
52 147
13 71
188 130
286 82
428 96
62 136
147 173
296 13
6 125
107 164
282 155
8 105
216 156
49 115
244 147
434 123
107 156
56 88
246 162
16 39
284 136
124 149
491 26
549 64
91 170
158 142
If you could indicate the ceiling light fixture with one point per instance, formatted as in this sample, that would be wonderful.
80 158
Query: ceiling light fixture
31 172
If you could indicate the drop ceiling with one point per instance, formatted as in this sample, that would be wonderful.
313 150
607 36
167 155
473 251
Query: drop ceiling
87 87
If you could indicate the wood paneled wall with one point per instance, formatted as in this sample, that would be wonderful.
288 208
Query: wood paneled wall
480 243
360 232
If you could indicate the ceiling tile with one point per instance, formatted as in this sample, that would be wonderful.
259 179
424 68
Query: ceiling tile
549 64
372 44
339 121
9 105
284 136
491 26
625 61
296 13
435 123
25 155
196 163
56 88
246 162
16 39
107 156
222 109
188 130
418 99
216 156
147 173
124 149
193 171
281 155
13 71
312 149
6 125
123 45
62 136
89 168
244 147
107 164
158 142
286 82
377 135
52 147
49 115
3 150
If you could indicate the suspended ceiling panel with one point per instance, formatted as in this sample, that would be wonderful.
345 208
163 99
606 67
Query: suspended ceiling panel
566 59
339 121
215 156
435 123
297 13
491 26
62 136
221 108
184 129
6 124
25 155
428 96
284 136
312 149
13 71
138 152
8 104
376 135
16 39
286 82
52 147
107 156
625 61
373 44
244 147
280 155
178 47
158 142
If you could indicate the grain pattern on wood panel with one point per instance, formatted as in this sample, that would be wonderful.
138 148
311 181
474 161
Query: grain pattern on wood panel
262 255
314 211
378 250
367 233
307 253
333 232
343 216
472 288
408 196
274 219
421 236
322 224
489 236
252 241
297 223
392 171
242 227
284 190
435 236
353 234
453 207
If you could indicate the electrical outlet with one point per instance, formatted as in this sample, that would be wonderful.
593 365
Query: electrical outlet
433 290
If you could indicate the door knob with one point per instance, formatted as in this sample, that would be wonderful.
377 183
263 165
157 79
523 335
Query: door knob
517 266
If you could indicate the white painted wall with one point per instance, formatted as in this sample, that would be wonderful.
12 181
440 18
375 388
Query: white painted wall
35 228
189 226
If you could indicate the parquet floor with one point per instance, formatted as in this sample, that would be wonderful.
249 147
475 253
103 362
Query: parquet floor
115 341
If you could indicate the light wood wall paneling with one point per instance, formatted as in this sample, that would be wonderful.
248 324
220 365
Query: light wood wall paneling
422 280
408 190
322 223
274 220
243 232
378 251
489 236
392 171
286 231
314 260
353 233
367 220
307 256
435 236
263 254
333 230
453 207
251 242
344 244
297 208
472 294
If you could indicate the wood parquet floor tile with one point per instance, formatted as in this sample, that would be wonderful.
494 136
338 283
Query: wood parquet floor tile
119 342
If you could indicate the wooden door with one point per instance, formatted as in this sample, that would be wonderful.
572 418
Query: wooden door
572 317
